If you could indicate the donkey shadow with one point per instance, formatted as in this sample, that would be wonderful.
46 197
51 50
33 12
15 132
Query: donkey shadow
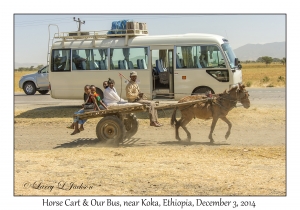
186 143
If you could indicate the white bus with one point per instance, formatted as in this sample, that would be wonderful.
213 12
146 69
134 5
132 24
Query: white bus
168 66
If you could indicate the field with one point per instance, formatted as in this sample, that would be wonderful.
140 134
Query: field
260 75
254 75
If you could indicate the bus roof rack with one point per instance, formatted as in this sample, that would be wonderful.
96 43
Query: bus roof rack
104 34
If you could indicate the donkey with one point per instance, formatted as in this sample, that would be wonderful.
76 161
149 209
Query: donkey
214 108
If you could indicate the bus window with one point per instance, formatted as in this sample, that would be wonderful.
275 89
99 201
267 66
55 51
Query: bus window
202 56
101 58
130 58
185 57
60 60
220 75
89 59
230 54
215 57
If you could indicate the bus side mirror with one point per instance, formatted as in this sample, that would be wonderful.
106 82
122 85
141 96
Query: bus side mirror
236 62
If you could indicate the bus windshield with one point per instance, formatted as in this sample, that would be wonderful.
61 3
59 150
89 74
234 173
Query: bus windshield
229 54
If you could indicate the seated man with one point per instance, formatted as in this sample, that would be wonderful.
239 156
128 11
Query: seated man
203 61
133 94
111 96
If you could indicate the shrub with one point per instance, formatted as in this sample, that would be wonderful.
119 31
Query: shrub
266 79
248 83
280 79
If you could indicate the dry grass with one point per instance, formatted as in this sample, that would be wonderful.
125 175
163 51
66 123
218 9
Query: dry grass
253 73
177 170
260 75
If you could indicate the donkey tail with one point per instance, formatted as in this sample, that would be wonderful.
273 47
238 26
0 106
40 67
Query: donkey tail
173 118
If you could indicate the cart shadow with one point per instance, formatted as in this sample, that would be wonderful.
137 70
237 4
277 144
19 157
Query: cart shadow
79 142
193 143
50 112
84 142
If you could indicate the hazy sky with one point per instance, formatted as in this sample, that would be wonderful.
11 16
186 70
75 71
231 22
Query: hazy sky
31 31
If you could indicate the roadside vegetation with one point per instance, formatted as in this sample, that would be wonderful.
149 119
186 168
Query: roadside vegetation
262 75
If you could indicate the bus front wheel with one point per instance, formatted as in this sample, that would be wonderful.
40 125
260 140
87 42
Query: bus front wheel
202 91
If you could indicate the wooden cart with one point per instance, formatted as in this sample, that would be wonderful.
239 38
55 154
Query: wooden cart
119 122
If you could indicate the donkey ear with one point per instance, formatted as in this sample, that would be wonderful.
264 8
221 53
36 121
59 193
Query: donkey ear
241 85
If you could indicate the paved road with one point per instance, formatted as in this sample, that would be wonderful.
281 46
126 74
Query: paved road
258 96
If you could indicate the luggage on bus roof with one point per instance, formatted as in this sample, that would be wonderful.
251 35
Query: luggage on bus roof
118 25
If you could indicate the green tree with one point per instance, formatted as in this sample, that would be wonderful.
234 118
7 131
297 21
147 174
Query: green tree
40 66
22 68
277 60
267 60
259 60
283 61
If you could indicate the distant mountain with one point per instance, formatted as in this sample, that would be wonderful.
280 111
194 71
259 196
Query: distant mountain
254 51
27 65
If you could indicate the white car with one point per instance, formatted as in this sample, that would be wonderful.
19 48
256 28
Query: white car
38 81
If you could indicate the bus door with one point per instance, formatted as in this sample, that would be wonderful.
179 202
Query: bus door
162 72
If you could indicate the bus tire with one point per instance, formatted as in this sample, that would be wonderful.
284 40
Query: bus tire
29 88
202 90
131 125
110 129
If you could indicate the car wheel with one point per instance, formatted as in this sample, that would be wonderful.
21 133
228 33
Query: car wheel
29 88
43 92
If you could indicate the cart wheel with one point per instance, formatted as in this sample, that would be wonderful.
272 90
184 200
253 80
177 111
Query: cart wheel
131 125
110 128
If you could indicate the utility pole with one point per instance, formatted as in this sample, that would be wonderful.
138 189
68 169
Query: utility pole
79 21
